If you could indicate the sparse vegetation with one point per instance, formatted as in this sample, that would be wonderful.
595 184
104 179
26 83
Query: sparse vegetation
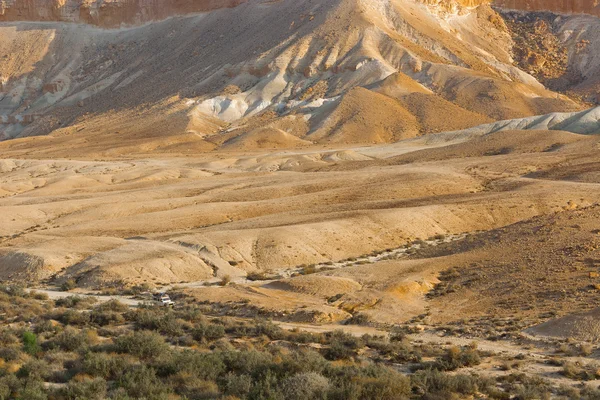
581 372
111 351
257 276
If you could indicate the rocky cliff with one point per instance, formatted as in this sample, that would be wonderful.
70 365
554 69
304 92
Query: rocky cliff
105 13
557 6
113 13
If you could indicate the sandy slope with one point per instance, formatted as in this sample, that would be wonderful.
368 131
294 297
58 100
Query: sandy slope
177 219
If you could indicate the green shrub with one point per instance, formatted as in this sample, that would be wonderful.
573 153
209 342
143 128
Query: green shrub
45 326
304 337
303 360
8 385
206 366
359 319
143 344
396 351
163 321
107 366
70 339
35 369
271 330
236 385
113 305
13 290
89 389
75 318
9 353
138 289
387 387
342 345
434 381
455 358
30 343
208 332
68 285
305 385
33 390
266 386
142 382
75 302
194 388
370 382
247 362
104 318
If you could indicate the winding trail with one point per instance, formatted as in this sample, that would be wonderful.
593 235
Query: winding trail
57 294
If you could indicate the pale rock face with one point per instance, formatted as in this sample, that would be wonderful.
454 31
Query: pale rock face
453 6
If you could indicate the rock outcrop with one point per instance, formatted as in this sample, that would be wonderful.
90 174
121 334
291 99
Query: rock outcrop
556 6
105 13
114 13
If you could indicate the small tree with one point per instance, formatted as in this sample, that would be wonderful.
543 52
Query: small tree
30 343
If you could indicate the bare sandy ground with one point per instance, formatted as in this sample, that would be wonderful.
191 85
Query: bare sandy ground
165 221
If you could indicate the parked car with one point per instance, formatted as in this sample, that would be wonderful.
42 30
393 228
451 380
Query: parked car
163 299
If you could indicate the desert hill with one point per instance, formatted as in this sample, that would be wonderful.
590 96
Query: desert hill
199 80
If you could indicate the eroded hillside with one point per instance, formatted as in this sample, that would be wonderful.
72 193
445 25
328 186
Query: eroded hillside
218 79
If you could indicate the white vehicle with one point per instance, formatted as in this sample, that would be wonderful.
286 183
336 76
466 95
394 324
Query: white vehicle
163 299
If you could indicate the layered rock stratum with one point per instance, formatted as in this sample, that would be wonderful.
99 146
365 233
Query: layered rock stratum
113 13
105 13
558 6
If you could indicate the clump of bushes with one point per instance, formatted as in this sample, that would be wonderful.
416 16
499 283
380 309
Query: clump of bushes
581 372
342 345
207 332
454 358
143 344
77 302
68 285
